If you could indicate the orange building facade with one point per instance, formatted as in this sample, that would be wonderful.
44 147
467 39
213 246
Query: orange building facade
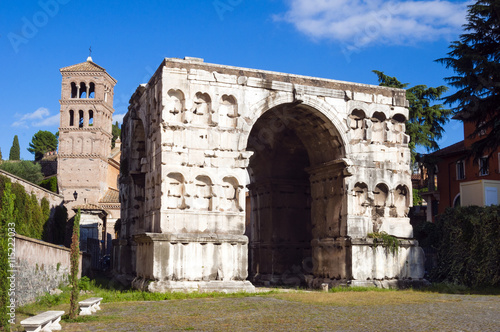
462 181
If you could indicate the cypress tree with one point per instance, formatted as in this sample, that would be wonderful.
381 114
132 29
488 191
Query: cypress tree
15 150
74 260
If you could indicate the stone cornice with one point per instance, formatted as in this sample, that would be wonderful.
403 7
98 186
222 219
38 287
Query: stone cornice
110 205
86 101
69 74
81 101
81 156
85 129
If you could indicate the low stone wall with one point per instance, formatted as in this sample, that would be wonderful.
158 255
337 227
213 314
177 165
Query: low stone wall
53 198
41 267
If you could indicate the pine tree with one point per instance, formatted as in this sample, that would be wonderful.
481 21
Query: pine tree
425 121
42 142
1 157
15 150
475 58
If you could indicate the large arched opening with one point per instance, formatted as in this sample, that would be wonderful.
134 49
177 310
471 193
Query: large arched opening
295 194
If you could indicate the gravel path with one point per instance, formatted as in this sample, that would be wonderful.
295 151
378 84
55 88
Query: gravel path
272 313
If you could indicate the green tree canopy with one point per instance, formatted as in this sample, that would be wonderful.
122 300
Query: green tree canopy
15 150
475 58
42 142
25 169
116 132
425 121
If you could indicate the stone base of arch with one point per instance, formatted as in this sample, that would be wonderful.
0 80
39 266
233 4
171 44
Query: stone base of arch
362 262
165 286
353 262
191 262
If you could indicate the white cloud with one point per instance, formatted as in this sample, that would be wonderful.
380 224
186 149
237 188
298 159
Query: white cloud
359 23
53 120
21 124
36 115
118 117
39 118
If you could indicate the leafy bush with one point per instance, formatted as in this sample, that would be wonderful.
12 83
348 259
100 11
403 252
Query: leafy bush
468 250
50 184
84 283
24 169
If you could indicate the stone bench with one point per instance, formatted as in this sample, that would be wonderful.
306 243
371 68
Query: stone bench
89 306
45 322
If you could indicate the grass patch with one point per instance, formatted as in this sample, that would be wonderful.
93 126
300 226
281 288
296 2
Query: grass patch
451 288
359 289
101 288
358 296
79 319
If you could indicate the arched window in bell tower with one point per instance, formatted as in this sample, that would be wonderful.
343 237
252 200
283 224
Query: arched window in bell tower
80 122
71 118
92 90
91 118
74 90
83 90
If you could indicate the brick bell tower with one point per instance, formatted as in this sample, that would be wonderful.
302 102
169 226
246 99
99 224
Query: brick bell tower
84 133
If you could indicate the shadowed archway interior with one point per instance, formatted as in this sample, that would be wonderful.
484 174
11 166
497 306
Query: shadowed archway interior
286 213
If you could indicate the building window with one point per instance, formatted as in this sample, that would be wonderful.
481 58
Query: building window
80 122
83 90
74 90
91 90
483 166
460 170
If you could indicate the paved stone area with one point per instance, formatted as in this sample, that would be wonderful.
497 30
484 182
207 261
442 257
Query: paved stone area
441 313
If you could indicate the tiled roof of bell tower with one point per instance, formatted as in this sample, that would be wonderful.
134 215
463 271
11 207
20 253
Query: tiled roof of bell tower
88 65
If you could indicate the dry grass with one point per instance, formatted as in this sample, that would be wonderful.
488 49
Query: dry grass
366 298
347 310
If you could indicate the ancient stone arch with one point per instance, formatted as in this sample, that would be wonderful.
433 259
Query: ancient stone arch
266 178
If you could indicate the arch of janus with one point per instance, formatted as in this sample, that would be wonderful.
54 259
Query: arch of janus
232 176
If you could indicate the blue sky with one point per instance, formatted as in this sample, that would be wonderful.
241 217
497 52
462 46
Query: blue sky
335 39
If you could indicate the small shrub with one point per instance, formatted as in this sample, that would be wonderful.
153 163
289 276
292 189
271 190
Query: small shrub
389 242
84 283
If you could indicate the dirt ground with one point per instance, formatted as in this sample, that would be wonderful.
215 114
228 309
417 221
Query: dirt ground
392 311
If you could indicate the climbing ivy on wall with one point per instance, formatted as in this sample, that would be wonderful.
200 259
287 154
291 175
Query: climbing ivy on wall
29 216
468 249
6 215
